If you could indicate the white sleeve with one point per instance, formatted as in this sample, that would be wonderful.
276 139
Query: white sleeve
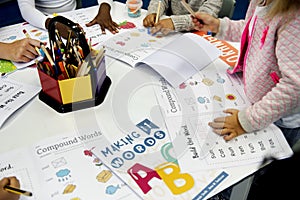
31 14
105 1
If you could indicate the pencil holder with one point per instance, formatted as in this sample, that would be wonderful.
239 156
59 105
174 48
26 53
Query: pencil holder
72 74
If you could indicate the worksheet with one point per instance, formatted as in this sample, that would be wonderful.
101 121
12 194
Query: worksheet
209 90
19 163
144 158
62 168
196 144
70 170
13 95
187 110
94 33
175 56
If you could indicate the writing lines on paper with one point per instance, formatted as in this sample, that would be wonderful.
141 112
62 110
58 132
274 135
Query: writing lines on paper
202 98
15 163
209 150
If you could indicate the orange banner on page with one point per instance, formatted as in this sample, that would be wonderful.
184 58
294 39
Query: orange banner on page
229 53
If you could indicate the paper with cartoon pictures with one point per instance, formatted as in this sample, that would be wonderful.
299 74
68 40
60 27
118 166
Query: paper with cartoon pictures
175 56
187 110
69 170
210 90
62 168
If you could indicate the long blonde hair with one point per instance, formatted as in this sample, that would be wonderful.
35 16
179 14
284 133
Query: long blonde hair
283 6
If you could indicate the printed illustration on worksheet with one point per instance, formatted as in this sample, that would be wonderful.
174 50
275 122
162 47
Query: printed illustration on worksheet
70 171
94 33
134 45
210 90
187 110
144 158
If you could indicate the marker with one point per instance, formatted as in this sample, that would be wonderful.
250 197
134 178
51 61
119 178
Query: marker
28 36
17 191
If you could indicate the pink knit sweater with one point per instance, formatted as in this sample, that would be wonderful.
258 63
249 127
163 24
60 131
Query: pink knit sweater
270 61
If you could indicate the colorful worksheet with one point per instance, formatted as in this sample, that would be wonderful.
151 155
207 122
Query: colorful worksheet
144 158
187 110
175 56
94 33
63 168
6 67
70 170
13 95
210 90
15 32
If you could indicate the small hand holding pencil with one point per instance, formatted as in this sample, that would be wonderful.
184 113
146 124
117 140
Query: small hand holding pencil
10 189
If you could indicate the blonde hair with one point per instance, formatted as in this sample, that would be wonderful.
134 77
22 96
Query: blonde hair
281 7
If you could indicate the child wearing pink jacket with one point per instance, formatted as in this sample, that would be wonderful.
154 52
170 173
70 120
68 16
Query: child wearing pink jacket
270 62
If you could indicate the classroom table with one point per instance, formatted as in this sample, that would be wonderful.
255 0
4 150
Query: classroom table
36 121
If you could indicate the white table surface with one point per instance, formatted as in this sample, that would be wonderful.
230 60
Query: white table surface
36 121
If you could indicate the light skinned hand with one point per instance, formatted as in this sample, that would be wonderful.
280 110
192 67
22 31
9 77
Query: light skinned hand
206 22
165 26
149 20
104 19
20 50
11 181
229 127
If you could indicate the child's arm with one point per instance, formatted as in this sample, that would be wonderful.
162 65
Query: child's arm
283 100
31 14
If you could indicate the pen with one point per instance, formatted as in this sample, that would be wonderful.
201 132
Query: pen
17 191
28 36
158 10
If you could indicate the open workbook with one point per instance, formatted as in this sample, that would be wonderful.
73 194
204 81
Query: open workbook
176 56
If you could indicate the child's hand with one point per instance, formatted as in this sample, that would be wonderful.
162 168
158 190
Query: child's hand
5 195
149 20
229 127
206 22
104 19
164 26
21 50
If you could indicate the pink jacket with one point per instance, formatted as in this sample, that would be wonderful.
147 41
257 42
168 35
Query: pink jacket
270 61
